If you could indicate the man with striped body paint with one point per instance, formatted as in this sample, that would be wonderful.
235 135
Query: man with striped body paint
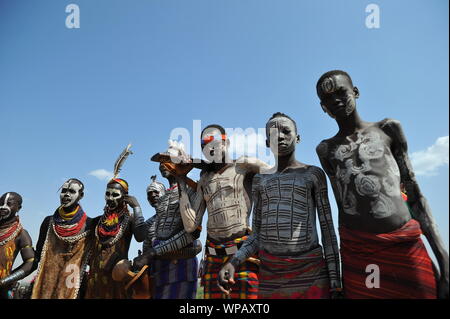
168 249
284 225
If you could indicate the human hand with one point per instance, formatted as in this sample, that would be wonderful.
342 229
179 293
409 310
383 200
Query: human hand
225 278
336 290
131 200
143 259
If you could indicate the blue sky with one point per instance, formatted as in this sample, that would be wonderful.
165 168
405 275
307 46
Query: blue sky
72 99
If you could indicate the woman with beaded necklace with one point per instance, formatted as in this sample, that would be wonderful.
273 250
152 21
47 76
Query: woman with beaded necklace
113 232
63 247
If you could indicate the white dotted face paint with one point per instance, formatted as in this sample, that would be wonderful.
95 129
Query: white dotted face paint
5 210
70 193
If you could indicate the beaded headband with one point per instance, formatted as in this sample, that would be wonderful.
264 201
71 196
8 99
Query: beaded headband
121 182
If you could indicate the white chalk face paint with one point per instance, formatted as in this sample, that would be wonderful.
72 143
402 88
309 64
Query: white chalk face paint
214 150
5 210
282 136
113 197
70 193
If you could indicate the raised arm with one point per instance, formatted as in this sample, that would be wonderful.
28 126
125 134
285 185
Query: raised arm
417 202
329 240
192 206
27 253
138 225
252 165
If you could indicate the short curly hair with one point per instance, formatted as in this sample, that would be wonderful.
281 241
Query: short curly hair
280 114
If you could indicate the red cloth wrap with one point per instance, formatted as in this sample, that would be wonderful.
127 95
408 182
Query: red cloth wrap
405 268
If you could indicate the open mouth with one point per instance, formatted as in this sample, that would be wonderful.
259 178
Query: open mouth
110 203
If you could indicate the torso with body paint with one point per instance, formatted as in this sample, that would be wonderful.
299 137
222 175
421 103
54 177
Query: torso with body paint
168 218
226 193
287 211
366 179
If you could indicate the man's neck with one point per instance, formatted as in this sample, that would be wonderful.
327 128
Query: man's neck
172 181
8 221
218 166
283 162
350 124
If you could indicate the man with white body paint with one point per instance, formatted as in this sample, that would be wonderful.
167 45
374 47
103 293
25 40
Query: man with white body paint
366 163
13 239
287 204
63 247
224 189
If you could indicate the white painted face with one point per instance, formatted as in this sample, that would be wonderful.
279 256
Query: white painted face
282 136
5 210
113 196
215 149
70 194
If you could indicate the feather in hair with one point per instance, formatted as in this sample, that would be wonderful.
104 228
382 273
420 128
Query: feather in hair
122 157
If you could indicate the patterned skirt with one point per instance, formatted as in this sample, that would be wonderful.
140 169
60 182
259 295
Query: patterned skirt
246 276
297 277
399 259
174 279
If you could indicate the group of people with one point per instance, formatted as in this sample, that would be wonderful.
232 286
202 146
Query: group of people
280 255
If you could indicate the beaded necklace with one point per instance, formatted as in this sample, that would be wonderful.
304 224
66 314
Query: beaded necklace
111 226
65 227
10 232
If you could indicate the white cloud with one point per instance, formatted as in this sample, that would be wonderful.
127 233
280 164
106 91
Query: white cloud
102 174
427 162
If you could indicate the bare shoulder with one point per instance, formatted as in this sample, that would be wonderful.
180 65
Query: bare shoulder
317 173
24 238
390 126
251 164
394 130
325 146
256 181
46 223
